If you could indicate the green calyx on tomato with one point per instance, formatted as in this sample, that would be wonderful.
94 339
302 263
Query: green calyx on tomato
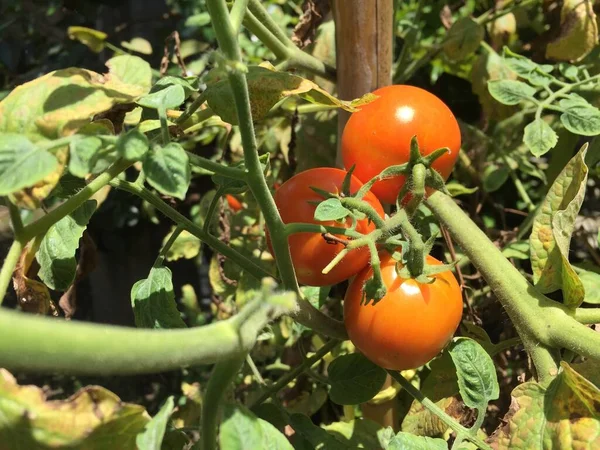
297 200
381 135
413 321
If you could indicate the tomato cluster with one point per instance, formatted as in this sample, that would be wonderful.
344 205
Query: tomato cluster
413 321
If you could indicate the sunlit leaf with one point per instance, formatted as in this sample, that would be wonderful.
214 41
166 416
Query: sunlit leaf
56 255
463 39
566 411
510 92
91 418
89 37
152 436
539 137
578 32
552 229
153 301
186 246
138 44
167 170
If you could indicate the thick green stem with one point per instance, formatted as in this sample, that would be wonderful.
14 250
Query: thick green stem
92 349
364 208
540 322
419 171
221 378
218 245
587 315
288 377
306 313
292 228
435 409
164 126
279 49
42 224
236 16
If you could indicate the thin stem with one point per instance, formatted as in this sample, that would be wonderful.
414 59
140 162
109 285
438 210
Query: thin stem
196 104
260 12
221 378
93 349
364 208
255 370
215 167
165 248
292 374
279 49
15 219
164 126
212 208
236 16
43 223
411 36
293 228
435 409
8 267
245 263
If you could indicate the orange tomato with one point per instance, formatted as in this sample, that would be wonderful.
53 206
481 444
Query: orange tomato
411 324
296 202
379 135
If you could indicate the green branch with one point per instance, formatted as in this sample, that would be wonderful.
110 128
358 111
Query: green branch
215 167
587 316
220 379
435 409
540 322
282 382
92 349
8 267
245 263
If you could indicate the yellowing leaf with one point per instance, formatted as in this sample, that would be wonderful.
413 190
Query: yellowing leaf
578 32
556 417
186 246
267 87
59 103
92 418
89 37
139 45
552 230
487 67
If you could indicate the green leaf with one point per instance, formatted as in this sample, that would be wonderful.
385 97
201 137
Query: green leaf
186 246
330 209
89 37
61 102
521 65
170 97
580 118
84 155
539 137
510 92
170 80
552 229
407 441
478 334
241 429
56 255
198 20
354 379
518 250
132 145
22 164
267 87
456 189
557 416
357 433
317 437
494 177
167 170
568 71
477 379
591 284
92 418
463 39
153 301
152 436
138 44
578 32
540 78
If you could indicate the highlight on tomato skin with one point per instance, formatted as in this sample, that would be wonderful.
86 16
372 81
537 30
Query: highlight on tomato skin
379 134
310 253
411 324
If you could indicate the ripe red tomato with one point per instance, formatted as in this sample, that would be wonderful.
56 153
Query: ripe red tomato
234 204
411 324
378 136
310 253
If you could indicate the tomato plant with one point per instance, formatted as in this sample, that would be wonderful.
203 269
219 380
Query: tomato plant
411 324
310 252
234 204
379 135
